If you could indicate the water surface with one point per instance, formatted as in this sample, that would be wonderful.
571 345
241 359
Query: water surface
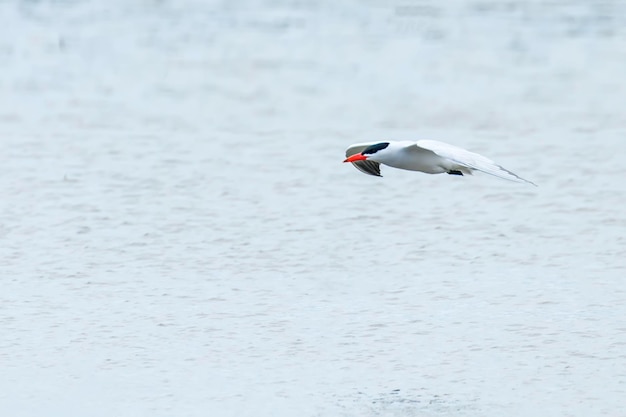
180 237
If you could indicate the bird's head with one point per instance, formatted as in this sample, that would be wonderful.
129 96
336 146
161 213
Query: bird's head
368 153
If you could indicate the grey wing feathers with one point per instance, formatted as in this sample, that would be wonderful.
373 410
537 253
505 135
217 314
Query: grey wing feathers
367 167
470 160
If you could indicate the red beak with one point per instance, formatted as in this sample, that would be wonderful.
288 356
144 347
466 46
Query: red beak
356 157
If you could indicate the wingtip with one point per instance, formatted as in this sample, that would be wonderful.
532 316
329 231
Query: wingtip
528 182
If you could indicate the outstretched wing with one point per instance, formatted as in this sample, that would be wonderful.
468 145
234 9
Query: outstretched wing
469 160
367 167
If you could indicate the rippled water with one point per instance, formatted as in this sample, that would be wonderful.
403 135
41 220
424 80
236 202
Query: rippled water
180 237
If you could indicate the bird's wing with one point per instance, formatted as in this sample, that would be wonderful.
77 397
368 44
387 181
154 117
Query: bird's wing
469 159
367 167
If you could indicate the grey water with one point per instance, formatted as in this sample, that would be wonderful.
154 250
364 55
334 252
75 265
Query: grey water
179 237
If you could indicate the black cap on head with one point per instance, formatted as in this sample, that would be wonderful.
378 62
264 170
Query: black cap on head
374 148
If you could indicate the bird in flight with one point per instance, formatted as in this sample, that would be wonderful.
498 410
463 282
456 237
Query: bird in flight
429 156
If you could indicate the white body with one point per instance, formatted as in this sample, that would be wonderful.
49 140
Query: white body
404 155
429 156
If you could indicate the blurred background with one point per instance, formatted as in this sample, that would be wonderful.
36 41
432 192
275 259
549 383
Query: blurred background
178 235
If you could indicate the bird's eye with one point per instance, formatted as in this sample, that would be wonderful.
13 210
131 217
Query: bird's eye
375 148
